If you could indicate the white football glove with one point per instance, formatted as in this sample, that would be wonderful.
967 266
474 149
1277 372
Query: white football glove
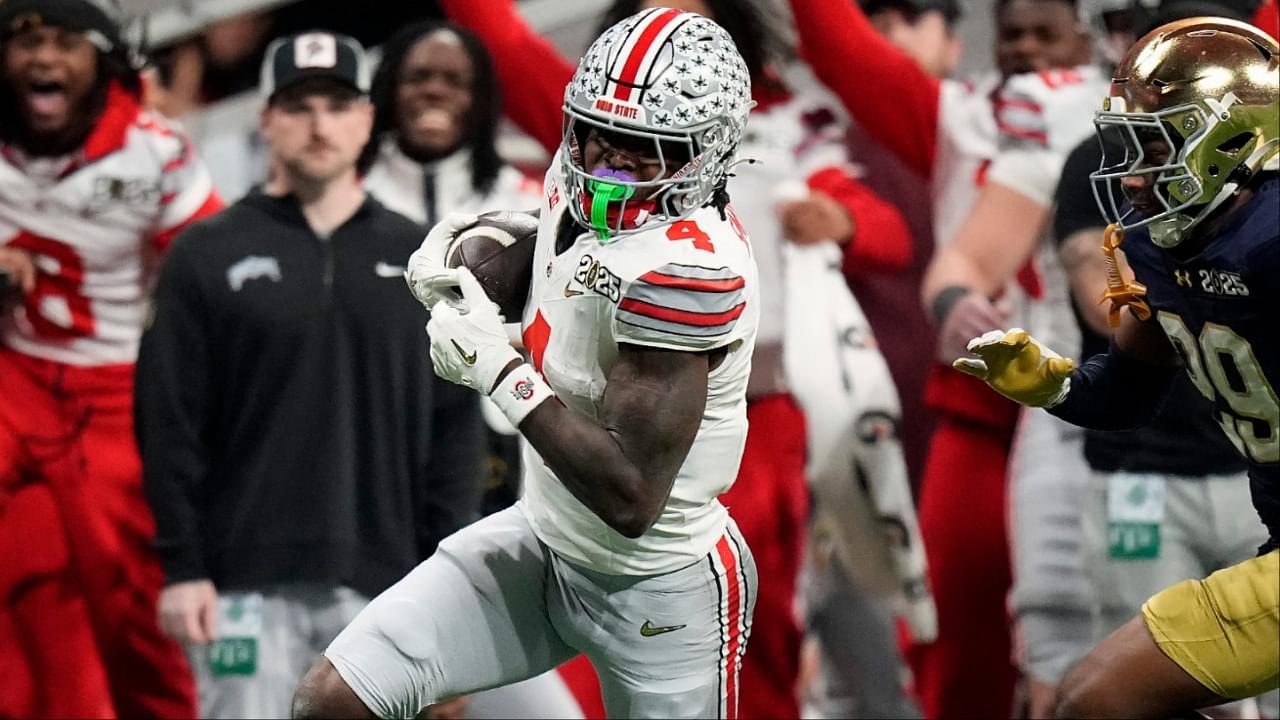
469 344
428 278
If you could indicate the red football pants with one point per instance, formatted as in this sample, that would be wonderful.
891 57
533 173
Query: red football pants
967 672
80 579
770 503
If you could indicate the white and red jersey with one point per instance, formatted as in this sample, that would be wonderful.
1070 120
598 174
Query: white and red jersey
95 222
689 285
1041 118
1019 132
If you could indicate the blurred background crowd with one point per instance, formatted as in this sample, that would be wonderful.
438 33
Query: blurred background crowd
919 176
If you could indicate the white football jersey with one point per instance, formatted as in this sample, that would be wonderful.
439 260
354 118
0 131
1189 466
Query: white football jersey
1018 134
95 223
980 120
1041 118
689 285
966 144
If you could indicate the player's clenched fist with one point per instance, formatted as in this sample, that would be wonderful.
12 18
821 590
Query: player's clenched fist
1017 366
468 343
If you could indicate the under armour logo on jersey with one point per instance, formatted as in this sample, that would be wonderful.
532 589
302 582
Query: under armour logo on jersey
315 50
253 266
1183 277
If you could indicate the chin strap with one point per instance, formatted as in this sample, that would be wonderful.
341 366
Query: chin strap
603 193
1119 291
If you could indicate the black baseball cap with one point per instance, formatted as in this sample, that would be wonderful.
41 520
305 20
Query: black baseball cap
98 19
950 9
294 58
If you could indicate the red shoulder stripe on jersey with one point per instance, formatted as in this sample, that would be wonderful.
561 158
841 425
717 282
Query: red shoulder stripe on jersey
1020 103
147 121
1039 136
627 78
654 277
683 317
184 156
164 238
118 114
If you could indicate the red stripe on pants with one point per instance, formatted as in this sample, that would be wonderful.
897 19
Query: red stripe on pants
770 504
733 614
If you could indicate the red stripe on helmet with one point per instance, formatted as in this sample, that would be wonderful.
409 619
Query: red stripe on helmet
623 85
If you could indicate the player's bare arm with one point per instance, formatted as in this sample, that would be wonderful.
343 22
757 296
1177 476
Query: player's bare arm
1087 272
623 466
995 240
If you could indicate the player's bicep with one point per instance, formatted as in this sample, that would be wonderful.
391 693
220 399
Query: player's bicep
999 236
653 404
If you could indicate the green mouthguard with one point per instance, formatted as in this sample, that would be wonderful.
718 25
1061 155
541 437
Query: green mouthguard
603 193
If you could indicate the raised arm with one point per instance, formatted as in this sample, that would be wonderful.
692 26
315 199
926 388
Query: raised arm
531 72
891 96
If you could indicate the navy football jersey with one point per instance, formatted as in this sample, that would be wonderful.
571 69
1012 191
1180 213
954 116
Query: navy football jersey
1221 310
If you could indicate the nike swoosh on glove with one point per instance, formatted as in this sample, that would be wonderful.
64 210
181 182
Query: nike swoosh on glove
1017 366
429 280
469 345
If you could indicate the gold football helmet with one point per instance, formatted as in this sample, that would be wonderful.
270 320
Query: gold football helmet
1195 107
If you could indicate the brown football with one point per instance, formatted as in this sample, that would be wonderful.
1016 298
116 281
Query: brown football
498 250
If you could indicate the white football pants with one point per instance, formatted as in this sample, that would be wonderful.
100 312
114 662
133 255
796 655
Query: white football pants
495 606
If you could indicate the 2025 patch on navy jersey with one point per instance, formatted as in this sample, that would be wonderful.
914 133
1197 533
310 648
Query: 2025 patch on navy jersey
1221 309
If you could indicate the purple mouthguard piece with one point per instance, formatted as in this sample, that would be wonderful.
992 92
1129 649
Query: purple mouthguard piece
610 174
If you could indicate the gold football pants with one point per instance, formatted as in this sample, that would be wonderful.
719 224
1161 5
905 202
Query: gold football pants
1224 630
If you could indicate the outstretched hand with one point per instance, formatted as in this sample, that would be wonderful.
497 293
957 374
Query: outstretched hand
1017 366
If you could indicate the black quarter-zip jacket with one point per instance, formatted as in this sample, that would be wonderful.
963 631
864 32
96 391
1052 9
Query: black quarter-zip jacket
290 424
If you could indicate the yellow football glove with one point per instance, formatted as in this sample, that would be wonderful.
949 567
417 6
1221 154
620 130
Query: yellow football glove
1017 366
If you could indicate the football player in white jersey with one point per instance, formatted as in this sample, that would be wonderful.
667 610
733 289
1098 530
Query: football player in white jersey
641 321
801 187
92 189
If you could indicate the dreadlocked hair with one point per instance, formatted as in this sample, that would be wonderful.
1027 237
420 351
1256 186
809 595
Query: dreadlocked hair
486 104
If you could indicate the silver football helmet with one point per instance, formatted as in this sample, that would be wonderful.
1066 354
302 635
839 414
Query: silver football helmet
670 78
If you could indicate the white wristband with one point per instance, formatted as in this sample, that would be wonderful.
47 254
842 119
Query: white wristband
522 390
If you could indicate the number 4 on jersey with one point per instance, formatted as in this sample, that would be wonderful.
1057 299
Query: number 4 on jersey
689 230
